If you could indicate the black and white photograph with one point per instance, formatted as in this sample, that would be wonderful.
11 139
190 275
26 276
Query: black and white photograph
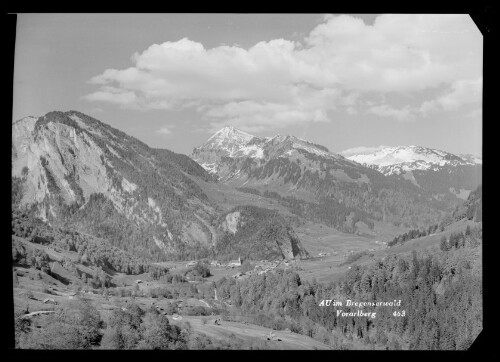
247 181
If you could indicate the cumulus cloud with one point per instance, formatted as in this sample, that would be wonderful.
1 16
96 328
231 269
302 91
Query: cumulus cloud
113 95
165 130
405 114
362 150
460 93
280 82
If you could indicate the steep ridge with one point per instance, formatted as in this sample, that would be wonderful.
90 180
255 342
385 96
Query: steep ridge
69 168
301 170
472 208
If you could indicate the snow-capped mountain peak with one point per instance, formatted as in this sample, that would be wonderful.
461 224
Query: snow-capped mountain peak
231 133
236 144
233 142
399 159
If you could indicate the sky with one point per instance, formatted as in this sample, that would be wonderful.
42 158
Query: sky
345 81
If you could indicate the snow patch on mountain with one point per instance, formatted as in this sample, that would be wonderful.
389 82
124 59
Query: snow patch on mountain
230 133
234 143
394 155
401 159
313 150
250 151
210 167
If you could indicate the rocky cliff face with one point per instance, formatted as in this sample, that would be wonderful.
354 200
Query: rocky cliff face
472 208
68 164
257 233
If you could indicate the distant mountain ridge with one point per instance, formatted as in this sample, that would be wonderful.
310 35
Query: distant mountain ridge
443 174
296 168
231 142
400 159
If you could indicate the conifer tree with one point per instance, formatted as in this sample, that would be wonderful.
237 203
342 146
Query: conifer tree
443 245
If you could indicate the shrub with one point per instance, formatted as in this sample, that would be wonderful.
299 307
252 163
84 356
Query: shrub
199 270
198 311
171 309
246 266
354 257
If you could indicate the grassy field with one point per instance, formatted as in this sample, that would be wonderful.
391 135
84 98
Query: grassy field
28 280
318 238
236 330
430 243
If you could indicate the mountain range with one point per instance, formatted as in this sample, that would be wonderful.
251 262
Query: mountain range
74 171
442 173
354 186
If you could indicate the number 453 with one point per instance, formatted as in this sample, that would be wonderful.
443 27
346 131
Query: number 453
398 313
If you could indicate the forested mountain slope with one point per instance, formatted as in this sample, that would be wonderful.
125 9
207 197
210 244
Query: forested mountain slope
71 169
302 171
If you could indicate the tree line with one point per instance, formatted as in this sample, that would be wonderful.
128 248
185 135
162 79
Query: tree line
414 234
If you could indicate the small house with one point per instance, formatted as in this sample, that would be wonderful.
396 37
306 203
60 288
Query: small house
235 263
